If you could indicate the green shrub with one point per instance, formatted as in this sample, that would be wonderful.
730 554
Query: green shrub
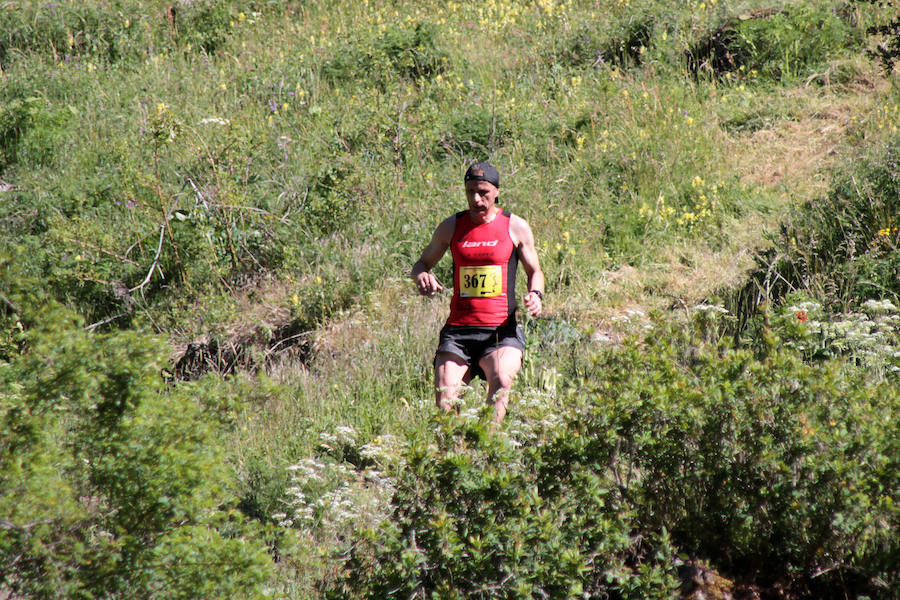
414 54
764 465
887 51
31 130
110 483
204 24
475 518
411 54
841 250
779 45
474 133
618 42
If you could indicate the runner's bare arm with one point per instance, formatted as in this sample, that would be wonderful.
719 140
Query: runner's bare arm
426 283
524 240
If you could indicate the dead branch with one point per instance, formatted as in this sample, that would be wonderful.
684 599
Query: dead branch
140 286
198 194
92 326
10 305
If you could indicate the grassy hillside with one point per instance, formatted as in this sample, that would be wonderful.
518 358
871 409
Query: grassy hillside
216 376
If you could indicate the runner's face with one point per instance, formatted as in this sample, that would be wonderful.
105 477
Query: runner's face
482 197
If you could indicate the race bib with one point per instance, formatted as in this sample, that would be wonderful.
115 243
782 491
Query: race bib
480 282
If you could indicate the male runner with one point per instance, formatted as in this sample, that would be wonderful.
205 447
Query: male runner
481 336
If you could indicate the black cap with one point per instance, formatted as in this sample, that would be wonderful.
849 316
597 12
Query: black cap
482 171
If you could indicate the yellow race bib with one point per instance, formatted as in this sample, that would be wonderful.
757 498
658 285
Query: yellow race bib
480 282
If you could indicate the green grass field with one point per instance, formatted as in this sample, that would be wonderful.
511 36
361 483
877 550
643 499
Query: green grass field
215 373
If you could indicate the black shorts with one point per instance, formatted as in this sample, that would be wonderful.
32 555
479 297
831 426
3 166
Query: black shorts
473 343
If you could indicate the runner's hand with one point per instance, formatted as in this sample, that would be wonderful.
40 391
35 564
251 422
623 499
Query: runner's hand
533 304
427 284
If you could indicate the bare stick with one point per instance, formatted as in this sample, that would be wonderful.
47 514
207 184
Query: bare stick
10 304
198 194
162 233
104 321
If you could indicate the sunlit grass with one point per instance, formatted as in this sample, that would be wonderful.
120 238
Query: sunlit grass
292 187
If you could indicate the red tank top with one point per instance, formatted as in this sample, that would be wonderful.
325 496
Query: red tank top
484 272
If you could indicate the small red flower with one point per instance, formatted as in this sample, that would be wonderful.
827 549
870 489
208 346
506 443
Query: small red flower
801 315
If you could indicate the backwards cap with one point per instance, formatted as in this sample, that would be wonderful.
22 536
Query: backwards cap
483 171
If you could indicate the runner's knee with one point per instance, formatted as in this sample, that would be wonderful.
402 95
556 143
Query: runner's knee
502 380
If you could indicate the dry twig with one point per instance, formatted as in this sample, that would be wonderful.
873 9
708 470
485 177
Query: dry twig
153 267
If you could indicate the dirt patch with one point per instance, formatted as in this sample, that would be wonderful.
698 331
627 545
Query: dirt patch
797 154
260 349
266 337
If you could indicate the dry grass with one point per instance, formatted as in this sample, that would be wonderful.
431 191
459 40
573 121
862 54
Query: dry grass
393 316
799 153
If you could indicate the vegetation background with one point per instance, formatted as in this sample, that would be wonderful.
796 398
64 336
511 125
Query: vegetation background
215 375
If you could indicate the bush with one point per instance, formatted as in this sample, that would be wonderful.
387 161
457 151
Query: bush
781 472
473 134
30 131
411 54
479 517
203 24
780 45
888 51
111 483
617 42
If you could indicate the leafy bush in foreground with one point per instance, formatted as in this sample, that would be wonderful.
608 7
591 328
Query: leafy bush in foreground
783 475
478 517
781 472
110 485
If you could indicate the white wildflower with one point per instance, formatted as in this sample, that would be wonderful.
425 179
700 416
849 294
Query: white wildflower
711 308
879 307
346 434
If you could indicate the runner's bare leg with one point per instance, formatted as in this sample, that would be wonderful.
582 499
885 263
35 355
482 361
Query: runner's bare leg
450 372
500 368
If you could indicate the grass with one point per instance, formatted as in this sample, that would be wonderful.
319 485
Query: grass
297 158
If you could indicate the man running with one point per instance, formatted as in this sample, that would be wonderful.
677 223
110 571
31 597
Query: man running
481 336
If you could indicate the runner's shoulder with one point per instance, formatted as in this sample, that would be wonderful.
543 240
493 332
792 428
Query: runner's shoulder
519 228
444 230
